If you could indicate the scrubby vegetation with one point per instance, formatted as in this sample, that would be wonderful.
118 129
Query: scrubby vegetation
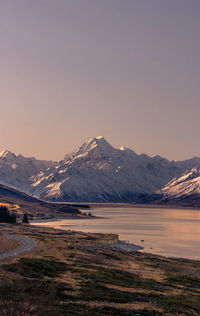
7 244
5 216
36 268
25 219
67 275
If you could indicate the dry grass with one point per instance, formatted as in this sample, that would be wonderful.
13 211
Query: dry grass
99 281
7 244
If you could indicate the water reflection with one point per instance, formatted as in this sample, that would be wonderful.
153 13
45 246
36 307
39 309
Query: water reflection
170 232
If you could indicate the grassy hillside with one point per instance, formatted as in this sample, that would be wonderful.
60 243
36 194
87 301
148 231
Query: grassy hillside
73 273
7 244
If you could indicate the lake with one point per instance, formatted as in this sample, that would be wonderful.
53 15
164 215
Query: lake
164 231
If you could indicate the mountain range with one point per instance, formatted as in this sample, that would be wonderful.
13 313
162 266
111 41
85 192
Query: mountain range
95 172
17 170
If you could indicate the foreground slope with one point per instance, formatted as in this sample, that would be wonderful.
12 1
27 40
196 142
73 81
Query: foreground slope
73 273
98 172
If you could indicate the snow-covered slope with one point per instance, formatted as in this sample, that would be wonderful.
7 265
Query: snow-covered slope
187 184
99 172
16 170
95 172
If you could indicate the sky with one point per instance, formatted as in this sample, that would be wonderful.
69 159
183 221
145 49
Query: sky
128 70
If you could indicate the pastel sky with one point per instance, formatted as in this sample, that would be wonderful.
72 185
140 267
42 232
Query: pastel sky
125 69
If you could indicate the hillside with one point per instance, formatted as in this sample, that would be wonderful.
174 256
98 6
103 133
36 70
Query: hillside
20 203
74 273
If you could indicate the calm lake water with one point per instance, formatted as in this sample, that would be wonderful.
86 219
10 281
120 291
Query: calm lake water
165 231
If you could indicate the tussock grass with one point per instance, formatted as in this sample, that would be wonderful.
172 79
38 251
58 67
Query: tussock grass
67 275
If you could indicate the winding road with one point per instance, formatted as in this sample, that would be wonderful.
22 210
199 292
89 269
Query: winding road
27 244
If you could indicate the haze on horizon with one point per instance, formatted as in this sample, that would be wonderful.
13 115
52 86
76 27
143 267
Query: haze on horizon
127 70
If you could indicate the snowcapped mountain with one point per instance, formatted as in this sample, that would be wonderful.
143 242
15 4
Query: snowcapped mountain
187 184
99 172
96 172
16 170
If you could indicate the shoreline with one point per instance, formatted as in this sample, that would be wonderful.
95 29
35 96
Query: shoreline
94 205
121 245
129 205
80 226
71 217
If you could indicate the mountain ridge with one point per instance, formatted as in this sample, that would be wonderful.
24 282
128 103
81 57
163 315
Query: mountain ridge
180 191
16 170
95 172
98 172
187 184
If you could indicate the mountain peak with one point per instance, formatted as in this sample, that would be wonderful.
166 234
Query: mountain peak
98 142
7 154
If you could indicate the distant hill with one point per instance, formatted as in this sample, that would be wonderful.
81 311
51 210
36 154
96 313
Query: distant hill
20 203
6 192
